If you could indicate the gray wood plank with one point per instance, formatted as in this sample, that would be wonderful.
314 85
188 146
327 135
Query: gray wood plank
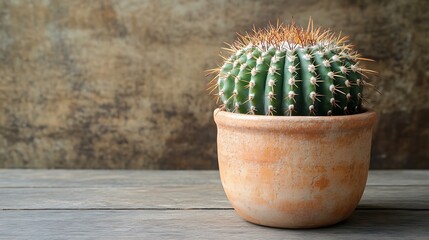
193 196
395 197
52 204
136 178
201 196
103 178
398 177
200 224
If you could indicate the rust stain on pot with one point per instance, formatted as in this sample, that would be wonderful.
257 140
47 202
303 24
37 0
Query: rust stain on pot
301 207
321 183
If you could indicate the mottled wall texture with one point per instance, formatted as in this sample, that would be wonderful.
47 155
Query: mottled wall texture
121 84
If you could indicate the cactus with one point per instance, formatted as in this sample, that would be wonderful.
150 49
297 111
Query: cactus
287 70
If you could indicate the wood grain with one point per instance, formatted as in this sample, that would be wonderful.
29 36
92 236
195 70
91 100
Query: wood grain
104 178
111 189
93 204
184 197
200 224
137 178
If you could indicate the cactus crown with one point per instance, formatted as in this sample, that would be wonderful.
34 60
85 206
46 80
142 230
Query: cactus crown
288 70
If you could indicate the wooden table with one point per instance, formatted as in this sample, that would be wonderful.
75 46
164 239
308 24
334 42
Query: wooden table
117 204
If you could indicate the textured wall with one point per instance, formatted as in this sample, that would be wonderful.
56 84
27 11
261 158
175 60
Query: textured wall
120 84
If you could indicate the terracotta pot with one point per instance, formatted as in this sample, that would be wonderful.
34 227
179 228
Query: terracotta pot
294 172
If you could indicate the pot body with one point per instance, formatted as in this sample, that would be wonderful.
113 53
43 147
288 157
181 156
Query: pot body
294 172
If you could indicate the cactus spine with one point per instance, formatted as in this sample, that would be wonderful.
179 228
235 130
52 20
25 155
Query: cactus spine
286 70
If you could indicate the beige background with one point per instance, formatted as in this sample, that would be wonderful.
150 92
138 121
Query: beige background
120 84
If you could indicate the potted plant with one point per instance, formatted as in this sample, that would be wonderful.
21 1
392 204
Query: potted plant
293 138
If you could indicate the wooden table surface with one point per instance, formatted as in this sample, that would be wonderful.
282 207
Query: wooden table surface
119 204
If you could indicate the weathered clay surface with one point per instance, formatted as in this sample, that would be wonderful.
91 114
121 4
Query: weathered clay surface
120 84
294 172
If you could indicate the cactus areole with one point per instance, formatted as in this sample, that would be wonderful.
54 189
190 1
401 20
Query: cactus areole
291 71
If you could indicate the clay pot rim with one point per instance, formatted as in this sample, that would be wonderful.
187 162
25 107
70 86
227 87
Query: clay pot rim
295 123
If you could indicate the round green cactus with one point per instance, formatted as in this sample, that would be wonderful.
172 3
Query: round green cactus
286 70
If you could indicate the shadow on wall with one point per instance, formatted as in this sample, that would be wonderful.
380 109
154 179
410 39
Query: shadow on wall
121 84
